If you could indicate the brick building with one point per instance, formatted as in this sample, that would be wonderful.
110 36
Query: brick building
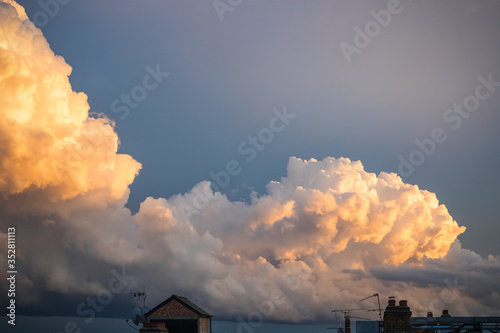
180 315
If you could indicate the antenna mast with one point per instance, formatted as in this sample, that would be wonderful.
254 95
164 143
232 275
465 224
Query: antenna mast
139 318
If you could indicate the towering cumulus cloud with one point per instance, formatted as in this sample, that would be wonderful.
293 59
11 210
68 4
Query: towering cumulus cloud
328 233
48 141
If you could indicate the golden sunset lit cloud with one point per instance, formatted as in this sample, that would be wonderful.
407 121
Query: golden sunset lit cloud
48 139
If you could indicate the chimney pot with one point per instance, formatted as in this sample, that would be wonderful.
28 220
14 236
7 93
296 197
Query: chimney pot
403 302
429 314
392 301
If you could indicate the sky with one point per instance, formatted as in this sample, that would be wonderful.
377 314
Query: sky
281 158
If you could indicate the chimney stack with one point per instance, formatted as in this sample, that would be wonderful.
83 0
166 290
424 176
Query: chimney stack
153 327
347 325
397 318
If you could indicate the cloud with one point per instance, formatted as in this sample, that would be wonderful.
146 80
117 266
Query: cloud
328 233
48 141
335 204
59 167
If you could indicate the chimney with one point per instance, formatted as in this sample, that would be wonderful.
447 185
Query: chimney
153 327
429 314
397 318
445 314
347 325
159 324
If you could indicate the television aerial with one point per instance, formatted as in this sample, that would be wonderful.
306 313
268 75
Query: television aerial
139 312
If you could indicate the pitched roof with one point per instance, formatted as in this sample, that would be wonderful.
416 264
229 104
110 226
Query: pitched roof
184 301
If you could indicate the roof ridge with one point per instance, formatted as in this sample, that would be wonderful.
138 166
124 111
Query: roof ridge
186 302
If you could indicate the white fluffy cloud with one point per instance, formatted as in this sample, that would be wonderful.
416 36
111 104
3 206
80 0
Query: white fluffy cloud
328 233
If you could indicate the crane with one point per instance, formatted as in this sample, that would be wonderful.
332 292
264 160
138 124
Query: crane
379 308
345 312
